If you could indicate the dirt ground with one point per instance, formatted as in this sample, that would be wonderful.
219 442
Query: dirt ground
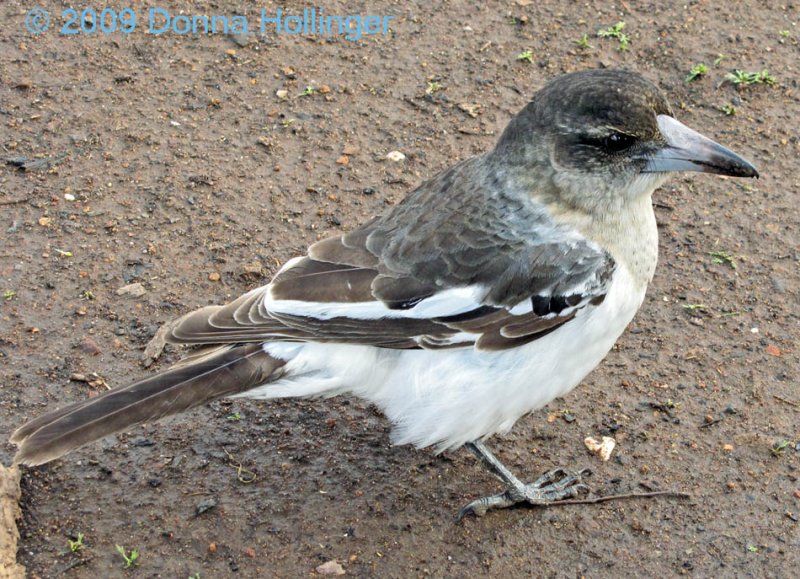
173 161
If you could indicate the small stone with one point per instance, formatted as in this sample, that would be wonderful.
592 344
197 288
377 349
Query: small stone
212 548
69 197
395 156
603 448
214 276
332 567
134 290
90 346
796 493
727 447
350 150
253 270
471 109
282 94
205 506
343 160
45 221
324 89
773 351
249 552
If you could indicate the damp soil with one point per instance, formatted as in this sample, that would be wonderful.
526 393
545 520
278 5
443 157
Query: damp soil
173 161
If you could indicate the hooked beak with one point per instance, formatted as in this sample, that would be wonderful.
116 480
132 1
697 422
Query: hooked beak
688 150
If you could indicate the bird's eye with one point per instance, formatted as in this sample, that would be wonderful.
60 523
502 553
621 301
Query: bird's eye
616 142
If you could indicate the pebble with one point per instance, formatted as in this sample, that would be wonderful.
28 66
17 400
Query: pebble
602 448
133 289
205 506
395 156
214 276
773 350
69 196
90 346
253 269
332 567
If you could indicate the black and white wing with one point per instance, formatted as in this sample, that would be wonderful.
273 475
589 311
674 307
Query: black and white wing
451 266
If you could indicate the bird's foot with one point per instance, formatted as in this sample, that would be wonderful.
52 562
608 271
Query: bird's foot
553 486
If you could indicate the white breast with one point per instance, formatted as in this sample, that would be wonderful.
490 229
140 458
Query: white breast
449 397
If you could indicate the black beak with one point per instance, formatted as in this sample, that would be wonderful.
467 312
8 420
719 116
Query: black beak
688 150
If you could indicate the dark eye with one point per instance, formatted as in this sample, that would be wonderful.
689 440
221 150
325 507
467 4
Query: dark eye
616 142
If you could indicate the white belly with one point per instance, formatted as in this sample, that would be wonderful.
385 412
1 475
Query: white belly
449 397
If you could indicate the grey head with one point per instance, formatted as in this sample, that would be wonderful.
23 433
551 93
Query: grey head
598 139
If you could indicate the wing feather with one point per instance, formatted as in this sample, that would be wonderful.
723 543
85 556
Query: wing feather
461 262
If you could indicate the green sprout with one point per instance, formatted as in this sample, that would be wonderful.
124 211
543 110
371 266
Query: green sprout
778 449
526 55
720 257
583 42
616 32
742 78
729 110
235 417
433 86
308 91
9 295
63 253
77 544
784 33
752 548
130 558
720 58
697 71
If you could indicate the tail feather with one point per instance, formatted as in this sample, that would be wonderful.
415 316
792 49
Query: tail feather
229 371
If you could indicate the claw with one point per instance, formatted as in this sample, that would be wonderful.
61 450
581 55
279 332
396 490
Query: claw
553 486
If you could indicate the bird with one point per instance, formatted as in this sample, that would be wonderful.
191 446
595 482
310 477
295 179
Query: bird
492 289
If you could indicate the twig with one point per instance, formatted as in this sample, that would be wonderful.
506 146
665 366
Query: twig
786 401
620 497
75 563
242 474
707 424
13 201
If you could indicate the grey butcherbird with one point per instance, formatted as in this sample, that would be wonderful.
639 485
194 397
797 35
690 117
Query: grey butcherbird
492 289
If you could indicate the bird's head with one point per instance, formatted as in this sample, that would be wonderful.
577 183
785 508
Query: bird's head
605 137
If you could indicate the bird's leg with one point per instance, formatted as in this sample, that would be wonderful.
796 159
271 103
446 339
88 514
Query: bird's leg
552 486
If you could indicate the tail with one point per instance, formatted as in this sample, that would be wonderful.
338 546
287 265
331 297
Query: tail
223 372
